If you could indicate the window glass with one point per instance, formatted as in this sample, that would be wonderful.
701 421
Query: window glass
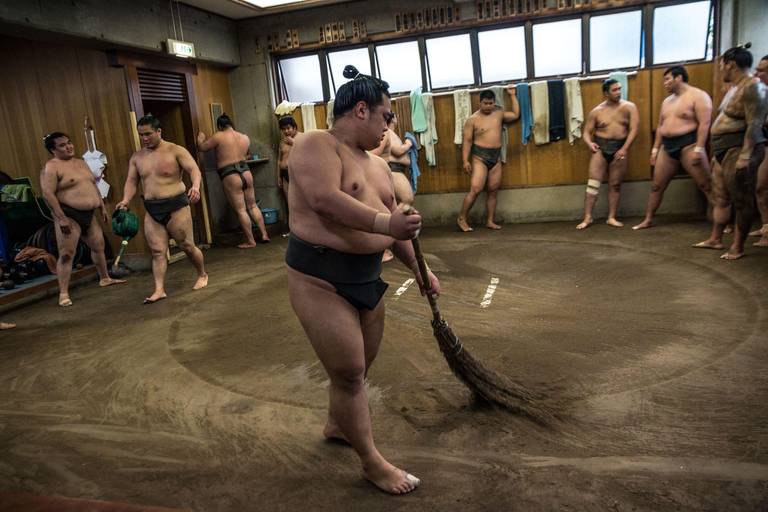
502 54
680 32
301 76
614 40
557 48
338 60
450 61
399 65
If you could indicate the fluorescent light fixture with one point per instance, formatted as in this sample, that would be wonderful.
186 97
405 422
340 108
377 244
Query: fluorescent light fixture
271 3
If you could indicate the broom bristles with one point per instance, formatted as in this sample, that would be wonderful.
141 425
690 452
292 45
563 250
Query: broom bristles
486 383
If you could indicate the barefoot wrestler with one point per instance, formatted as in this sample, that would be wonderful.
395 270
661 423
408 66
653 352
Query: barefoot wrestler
615 123
738 145
230 149
69 188
680 139
159 166
343 217
481 153
761 72
400 163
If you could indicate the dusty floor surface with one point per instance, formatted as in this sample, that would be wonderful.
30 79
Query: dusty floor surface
213 400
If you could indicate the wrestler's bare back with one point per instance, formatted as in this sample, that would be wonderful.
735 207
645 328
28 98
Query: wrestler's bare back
395 141
678 113
76 184
231 147
160 170
612 122
363 177
486 128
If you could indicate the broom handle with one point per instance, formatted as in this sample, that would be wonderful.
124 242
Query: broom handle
117 260
423 270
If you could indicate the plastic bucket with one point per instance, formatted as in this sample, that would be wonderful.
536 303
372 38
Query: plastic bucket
270 215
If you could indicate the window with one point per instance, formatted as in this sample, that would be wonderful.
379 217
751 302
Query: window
399 65
614 41
680 32
557 48
301 78
449 61
502 54
338 60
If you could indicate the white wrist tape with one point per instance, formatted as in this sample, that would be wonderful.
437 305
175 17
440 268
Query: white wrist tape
745 156
698 149
654 151
381 223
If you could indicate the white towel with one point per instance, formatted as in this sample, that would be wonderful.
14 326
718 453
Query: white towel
574 109
329 114
308 116
286 107
540 108
498 91
428 138
463 107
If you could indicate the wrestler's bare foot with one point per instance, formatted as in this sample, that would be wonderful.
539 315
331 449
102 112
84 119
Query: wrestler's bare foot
587 222
201 282
727 229
64 300
643 225
733 254
109 281
331 430
763 242
4 326
388 478
613 222
708 244
387 256
247 245
492 225
154 298
464 226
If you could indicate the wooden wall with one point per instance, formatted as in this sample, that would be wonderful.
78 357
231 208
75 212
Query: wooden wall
48 91
53 91
556 163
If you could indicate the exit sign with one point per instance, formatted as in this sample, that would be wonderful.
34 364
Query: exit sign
180 48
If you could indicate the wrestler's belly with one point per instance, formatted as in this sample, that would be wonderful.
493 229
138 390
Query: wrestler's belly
81 197
618 133
490 140
725 124
404 159
155 190
677 126
338 237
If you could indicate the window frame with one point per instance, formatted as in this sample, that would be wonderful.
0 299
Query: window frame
518 24
630 8
473 53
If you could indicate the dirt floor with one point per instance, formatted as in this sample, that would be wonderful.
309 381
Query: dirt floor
213 400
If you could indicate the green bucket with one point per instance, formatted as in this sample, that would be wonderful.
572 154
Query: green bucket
125 224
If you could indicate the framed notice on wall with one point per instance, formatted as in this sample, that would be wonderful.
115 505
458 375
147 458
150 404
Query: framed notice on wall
216 111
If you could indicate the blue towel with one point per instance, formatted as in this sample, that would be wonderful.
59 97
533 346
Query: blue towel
526 115
556 90
414 156
621 77
418 116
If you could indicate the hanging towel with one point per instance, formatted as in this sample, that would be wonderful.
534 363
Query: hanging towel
498 91
329 114
556 110
286 107
418 117
308 116
402 109
414 156
429 137
463 106
574 109
526 116
621 77
540 110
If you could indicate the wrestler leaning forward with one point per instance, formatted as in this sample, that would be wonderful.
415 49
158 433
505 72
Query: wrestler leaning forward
159 165
481 153
680 139
69 188
343 216
738 145
615 123
761 72
230 149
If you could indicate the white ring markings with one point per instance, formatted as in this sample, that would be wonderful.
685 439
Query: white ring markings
489 292
402 289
